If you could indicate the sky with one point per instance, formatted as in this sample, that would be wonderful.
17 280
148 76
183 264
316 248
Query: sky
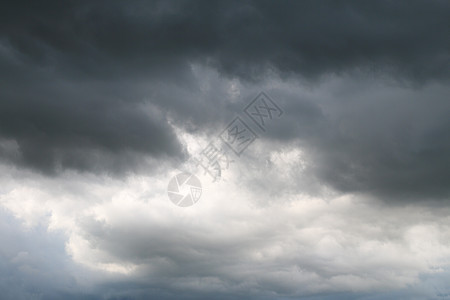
339 187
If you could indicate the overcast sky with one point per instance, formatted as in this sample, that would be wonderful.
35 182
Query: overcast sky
344 194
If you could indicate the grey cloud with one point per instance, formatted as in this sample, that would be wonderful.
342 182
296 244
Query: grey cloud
240 38
387 140
392 143
102 86
73 74
82 125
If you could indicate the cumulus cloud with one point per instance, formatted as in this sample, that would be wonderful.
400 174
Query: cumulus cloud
237 241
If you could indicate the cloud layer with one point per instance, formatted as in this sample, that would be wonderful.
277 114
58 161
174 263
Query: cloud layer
344 196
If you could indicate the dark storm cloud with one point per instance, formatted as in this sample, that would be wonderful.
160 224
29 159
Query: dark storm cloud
57 124
74 74
386 140
239 37
52 123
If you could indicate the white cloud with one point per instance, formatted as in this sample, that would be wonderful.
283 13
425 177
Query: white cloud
270 239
